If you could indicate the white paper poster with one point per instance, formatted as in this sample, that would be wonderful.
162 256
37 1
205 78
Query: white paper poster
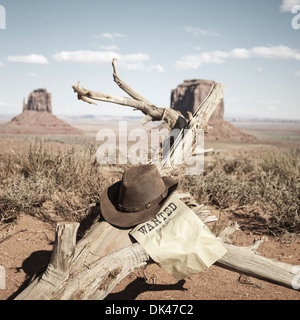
178 240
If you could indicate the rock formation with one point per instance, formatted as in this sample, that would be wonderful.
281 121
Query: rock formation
189 95
38 100
37 118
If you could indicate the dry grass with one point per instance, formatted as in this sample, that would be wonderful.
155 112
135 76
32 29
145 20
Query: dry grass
65 185
54 185
270 184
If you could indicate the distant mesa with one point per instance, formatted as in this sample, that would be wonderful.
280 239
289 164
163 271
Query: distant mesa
39 100
189 95
37 118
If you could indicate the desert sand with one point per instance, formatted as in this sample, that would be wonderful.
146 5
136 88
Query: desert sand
26 246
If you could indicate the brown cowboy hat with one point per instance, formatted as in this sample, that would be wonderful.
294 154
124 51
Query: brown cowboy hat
137 198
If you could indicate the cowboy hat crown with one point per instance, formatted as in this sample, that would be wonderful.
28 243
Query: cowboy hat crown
137 197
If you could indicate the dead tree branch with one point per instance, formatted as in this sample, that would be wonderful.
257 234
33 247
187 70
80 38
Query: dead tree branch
151 112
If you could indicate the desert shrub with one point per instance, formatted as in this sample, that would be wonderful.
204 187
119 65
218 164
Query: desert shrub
50 184
66 184
279 176
270 183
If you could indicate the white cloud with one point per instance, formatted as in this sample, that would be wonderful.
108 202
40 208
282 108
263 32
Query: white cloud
98 57
86 56
276 52
156 67
6 104
279 52
110 36
135 61
239 53
140 66
135 57
32 58
195 61
1 64
201 32
297 74
287 5
32 74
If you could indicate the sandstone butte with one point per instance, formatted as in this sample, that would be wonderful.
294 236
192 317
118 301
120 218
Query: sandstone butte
37 118
189 95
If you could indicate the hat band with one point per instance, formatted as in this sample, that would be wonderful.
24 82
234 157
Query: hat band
146 206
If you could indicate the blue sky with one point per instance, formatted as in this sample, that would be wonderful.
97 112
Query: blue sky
250 47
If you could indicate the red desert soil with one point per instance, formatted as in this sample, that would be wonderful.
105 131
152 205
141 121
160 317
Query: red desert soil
27 251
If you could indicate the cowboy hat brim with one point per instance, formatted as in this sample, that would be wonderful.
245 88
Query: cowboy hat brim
114 216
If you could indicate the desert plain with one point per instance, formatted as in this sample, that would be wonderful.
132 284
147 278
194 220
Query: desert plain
26 240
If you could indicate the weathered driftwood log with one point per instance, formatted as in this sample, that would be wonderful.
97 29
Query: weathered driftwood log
197 124
187 127
105 255
246 261
100 241
57 271
91 268
152 113
172 117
